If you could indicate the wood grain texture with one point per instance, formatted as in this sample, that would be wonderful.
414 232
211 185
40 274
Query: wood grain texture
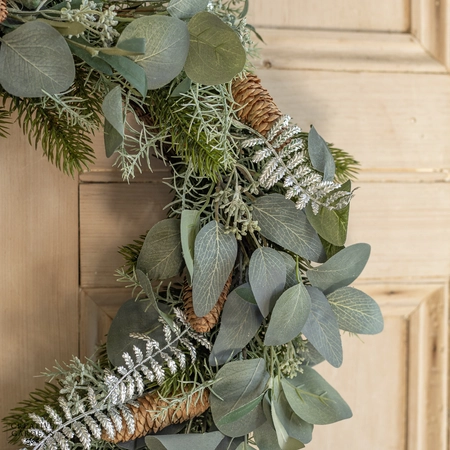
344 51
430 22
113 215
385 120
38 269
366 15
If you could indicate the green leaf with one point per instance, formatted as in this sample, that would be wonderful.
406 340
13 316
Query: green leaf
166 48
266 437
289 316
114 131
341 269
229 443
240 412
291 270
184 9
132 317
331 225
311 356
216 54
127 47
133 73
322 329
237 384
182 87
145 283
313 399
190 224
65 28
214 257
239 322
205 441
35 58
282 223
320 155
356 312
95 63
161 257
267 276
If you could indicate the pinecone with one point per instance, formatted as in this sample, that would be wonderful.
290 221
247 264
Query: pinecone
3 11
204 324
150 405
259 110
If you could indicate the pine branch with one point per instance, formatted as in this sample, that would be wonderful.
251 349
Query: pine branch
4 122
130 254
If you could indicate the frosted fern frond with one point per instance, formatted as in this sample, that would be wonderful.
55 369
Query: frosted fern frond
285 157
97 401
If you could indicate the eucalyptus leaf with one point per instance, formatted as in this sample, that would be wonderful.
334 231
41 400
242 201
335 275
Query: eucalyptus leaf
145 283
95 63
239 323
114 132
133 46
288 316
332 225
205 441
356 312
266 437
320 155
132 317
190 225
291 270
133 73
182 87
166 48
229 443
65 28
282 223
267 276
35 58
216 54
285 442
214 257
310 354
160 257
322 329
313 399
184 9
341 269
240 412
237 384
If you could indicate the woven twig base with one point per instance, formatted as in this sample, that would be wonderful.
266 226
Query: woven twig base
150 416
3 11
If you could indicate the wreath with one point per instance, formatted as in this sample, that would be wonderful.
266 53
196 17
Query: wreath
245 286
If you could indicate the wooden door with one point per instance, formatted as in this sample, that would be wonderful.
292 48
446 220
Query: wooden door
371 88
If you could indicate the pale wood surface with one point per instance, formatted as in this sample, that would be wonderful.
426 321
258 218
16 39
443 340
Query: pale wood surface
38 269
343 51
366 15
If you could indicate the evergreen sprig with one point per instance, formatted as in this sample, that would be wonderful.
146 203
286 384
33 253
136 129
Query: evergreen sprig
4 122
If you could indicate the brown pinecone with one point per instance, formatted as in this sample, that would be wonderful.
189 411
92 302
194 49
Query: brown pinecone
150 404
204 324
258 108
3 11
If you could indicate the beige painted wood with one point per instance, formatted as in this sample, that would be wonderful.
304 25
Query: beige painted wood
365 15
430 20
38 269
396 382
343 51
386 120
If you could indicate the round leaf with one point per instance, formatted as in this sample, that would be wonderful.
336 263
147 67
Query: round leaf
166 48
216 54
183 9
35 58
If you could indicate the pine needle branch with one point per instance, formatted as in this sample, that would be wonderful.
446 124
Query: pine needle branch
4 122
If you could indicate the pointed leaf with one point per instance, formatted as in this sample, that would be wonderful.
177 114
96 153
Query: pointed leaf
216 53
166 48
322 329
314 400
341 269
214 257
184 9
282 223
35 58
190 224
267 276
182 87
240 412
332 225
291 270
94 62
133 73
311 356
239 323
65 28
205 441
356 312
266 437
320 155
238 383
289 316
114 131
160 256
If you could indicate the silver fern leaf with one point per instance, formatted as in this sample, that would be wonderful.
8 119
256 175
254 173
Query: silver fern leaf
285 159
